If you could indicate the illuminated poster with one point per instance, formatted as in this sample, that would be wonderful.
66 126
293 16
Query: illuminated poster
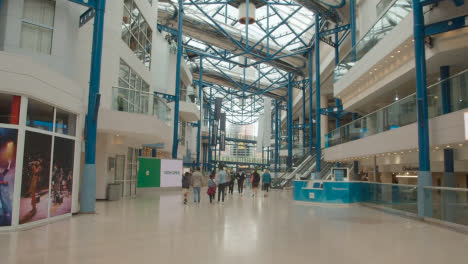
8 141
36 175
62 177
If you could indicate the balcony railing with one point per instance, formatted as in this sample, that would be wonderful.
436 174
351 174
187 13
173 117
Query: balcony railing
387 22
134 101
447 204
402 112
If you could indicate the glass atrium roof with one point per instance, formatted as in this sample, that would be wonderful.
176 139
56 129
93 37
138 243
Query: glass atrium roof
291 30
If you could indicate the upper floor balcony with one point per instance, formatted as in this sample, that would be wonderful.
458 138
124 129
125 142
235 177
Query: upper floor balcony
403 112
388 21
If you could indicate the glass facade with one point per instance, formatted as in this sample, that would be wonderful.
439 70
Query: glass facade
133 94
136 32
38 25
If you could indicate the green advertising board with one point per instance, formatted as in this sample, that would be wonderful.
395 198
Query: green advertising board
149 173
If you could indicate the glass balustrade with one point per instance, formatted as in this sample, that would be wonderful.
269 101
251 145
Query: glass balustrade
139 102
387 22
403 112
395 196
447 204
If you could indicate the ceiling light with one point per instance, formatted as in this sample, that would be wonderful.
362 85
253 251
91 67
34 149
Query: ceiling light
460 145
392 56
448 146
436 147
398 51
407 176
117 135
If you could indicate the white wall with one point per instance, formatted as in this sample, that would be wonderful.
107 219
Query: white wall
65 35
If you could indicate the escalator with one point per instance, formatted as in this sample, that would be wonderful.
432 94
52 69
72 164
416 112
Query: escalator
305 170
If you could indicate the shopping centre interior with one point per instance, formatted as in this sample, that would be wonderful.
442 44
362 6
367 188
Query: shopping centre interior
358 109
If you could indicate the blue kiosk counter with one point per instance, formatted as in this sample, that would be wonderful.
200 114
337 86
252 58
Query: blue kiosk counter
334 192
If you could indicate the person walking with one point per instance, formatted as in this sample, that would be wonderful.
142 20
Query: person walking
240 182
232 181
255 182
211 187
185 185
221 179
197 180
266 179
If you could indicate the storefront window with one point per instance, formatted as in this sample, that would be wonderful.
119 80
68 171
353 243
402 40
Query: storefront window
9 109
40 115
65 122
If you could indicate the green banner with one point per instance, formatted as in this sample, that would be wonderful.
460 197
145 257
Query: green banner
149 173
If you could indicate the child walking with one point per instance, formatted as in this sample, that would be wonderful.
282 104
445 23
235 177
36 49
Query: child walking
211 188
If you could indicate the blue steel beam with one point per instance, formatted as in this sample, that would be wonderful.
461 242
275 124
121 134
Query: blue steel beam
200 90
274 29
311 131
289 122
277 113
352 10
425 176
318 136
447 25
217 25
88 193
287 24
335 30
175 139
303 113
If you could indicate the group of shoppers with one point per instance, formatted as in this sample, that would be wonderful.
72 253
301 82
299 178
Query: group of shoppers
224 179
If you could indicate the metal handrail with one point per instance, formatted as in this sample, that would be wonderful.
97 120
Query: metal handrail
447 188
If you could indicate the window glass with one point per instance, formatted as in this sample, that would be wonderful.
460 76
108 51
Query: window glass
38 25
133 94
136 32
40 115
9 108
65 122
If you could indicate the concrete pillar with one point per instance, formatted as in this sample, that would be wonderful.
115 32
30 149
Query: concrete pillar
323 119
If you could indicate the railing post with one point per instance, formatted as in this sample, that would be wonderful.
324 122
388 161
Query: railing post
424 175
88 183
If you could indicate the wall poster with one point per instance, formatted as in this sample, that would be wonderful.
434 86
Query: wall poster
36 175
62 177
8 145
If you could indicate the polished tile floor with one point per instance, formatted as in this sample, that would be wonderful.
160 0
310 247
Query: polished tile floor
160 229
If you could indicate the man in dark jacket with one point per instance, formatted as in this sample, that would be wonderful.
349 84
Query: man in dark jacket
240 181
